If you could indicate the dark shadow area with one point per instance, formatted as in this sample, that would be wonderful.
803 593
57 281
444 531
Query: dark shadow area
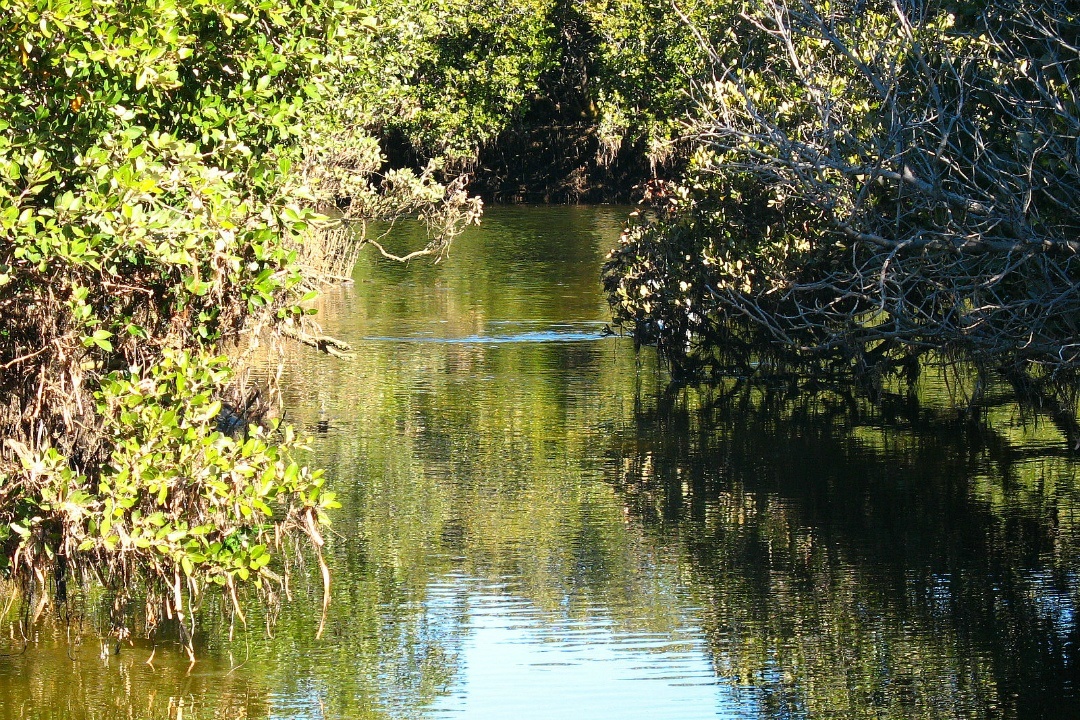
889 560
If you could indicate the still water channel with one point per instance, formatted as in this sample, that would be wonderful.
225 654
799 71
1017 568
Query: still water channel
533 528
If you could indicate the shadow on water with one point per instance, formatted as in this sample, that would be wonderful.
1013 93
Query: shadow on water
861 561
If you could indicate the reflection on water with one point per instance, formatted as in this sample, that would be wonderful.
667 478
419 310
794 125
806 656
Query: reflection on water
897 566
519 660
533 528
510 331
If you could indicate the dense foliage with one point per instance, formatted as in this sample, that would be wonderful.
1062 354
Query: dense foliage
453 73
648 60
523 84
893 180
159 167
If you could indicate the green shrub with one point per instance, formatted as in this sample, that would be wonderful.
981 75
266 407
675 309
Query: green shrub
149 215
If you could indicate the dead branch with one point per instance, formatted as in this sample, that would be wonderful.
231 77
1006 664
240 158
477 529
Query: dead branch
322 343
934 170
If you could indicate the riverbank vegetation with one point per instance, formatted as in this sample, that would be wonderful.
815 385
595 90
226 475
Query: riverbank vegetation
162 166
540 101
871 185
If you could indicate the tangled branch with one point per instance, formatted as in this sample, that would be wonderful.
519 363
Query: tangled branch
894 180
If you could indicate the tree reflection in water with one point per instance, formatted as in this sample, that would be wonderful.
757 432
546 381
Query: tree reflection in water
861 561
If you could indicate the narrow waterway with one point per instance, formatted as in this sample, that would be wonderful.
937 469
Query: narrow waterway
532 527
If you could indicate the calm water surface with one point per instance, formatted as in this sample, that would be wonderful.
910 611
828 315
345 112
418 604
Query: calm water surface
533 528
